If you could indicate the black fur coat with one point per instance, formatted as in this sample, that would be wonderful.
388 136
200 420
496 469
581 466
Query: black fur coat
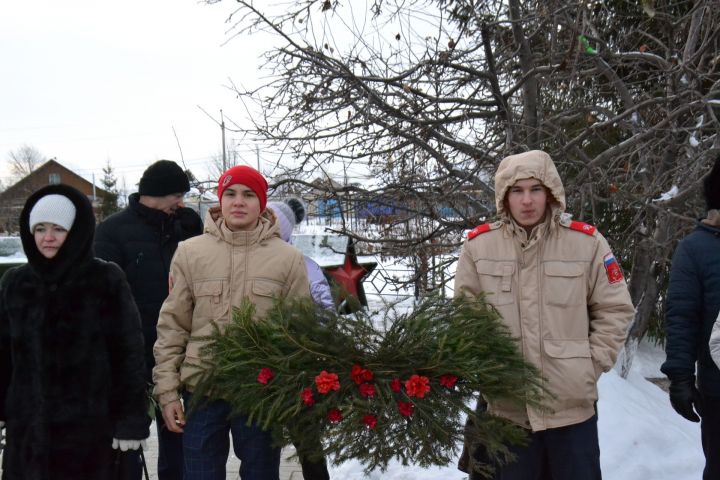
71 357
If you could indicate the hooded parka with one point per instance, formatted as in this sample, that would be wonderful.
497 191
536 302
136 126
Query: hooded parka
560 292
209 275
71 356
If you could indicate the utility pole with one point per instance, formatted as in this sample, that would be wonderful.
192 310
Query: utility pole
222 127
257 155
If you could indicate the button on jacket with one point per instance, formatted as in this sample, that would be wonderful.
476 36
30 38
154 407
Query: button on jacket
560 293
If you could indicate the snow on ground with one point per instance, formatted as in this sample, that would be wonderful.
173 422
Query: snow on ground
641 436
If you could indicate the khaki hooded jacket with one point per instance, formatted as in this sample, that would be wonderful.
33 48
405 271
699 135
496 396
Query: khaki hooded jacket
209 275
559 290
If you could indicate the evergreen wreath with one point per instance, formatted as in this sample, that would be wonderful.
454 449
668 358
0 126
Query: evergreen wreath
373 386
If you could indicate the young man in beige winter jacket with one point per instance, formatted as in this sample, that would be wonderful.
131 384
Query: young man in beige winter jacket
239 257
562 294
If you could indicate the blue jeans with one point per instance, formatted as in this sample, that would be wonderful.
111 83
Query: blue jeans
206 445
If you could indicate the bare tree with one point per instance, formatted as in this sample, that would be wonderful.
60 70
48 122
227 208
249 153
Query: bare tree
23 160
420 99
215 166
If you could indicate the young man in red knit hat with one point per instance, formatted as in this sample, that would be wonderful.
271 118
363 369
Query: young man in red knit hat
239 257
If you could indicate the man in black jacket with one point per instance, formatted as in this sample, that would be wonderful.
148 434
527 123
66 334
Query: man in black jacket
142 239
693 301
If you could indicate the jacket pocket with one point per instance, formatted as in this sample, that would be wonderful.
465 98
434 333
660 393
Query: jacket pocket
570 372
264 292
211 298
564 284
496 279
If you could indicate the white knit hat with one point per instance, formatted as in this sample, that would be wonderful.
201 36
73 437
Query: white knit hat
53 208
285 217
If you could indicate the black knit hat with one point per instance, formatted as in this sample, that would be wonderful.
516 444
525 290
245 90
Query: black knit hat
163 177
711 187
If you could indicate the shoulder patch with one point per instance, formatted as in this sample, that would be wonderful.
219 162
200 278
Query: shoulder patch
612 268
480 229
583 227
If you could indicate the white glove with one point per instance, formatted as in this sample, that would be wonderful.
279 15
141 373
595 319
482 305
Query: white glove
125 445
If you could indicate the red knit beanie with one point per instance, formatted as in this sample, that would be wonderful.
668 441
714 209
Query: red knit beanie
247 176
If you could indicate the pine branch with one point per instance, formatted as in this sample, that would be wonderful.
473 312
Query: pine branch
453 349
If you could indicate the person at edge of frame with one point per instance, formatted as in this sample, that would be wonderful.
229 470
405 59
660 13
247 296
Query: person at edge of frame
692 305
72 394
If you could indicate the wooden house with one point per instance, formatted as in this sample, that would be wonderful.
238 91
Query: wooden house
49 173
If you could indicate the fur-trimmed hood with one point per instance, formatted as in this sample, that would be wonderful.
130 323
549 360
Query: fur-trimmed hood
78 246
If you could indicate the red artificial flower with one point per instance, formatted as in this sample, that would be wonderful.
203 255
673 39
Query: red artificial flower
265 376
334 415
395 385
327 381
367 390
360 375
448 380
406 408
307 397
417 386
370 421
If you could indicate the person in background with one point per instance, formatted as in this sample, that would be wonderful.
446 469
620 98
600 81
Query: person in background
561 293
692 305
72 367
240 257
290 213
142 239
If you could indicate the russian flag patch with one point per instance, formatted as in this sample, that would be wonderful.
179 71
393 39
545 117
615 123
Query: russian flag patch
612 268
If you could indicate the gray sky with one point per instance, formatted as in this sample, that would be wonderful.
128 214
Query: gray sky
85 81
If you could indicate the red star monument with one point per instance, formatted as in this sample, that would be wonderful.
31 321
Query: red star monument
351 274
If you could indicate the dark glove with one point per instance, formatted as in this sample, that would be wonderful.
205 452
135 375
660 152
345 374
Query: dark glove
684 396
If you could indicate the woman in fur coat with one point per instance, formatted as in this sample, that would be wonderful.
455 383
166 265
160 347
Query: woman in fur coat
71 349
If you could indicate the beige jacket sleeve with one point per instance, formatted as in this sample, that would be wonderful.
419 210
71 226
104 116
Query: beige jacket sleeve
173 330
298 284
610 309
715 342
467 282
